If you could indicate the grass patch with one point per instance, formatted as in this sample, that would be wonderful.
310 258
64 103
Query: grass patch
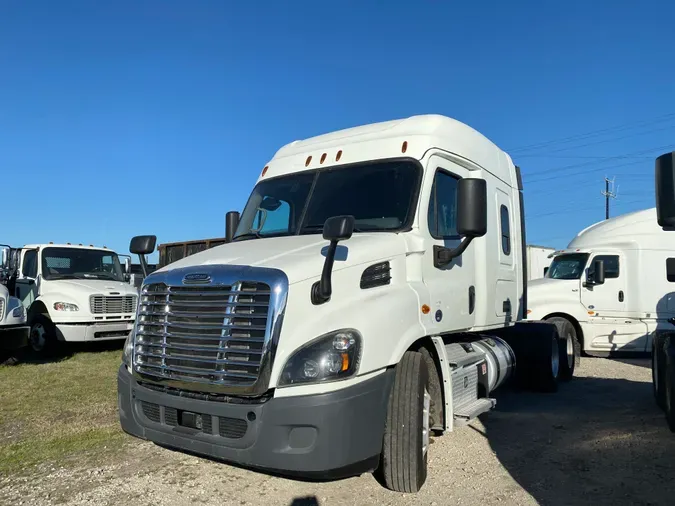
55 411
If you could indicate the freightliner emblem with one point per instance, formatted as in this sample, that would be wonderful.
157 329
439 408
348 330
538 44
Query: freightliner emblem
196 278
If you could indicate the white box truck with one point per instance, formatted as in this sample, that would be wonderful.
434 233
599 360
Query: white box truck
369 298
619 310
73 293
538 261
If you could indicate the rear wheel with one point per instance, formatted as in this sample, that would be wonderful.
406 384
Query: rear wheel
407 430
669 383
569 347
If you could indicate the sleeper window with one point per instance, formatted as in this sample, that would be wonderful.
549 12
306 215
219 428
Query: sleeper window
506 230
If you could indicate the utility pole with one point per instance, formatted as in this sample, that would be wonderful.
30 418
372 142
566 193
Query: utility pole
608 194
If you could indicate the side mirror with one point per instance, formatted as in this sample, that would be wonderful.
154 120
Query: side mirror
231 224
338 228
598 272
143 244
335 229
665 190
127 265
472 207
471 218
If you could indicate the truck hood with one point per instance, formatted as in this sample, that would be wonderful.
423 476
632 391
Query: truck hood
300 257
88 286
547 290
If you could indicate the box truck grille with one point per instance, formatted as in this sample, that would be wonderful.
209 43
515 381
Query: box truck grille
2 308
203 334
110 304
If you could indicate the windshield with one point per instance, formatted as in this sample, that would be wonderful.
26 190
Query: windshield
380 195
570 266
75 263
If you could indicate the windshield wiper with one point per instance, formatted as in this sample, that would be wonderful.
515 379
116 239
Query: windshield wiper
247 235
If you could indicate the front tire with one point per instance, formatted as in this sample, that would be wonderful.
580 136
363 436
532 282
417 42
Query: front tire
407 429
42 339
569 349
669 383
658 370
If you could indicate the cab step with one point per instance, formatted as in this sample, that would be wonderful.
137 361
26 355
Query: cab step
464 414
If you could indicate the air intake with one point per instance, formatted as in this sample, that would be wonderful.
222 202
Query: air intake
376 275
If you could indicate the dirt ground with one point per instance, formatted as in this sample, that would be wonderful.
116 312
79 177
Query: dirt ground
599 440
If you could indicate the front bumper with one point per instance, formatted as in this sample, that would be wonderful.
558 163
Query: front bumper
14 337
328 435
93 331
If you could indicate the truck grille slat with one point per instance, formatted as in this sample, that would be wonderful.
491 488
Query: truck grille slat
202 334
112 304
2 308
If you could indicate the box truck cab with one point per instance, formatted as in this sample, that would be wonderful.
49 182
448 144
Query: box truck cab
368 296
619 310
73 293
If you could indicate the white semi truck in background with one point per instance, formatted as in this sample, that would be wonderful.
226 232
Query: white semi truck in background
538 261
73 293
618 311
14 328
371 294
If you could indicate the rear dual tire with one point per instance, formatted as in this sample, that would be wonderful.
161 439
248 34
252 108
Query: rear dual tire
663 375
569 347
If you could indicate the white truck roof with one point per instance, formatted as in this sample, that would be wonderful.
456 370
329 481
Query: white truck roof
385 140
78 246
634 230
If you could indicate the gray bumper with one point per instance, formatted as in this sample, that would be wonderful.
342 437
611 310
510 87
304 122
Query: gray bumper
14 337
326 435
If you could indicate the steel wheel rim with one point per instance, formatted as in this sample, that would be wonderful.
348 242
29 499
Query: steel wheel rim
37 337
555 359
570 350
425 422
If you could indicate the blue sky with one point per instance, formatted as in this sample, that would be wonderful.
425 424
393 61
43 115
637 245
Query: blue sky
124 118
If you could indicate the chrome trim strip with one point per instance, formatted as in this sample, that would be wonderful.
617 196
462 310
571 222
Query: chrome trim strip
226 276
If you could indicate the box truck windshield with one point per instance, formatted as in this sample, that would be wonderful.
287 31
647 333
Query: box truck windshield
74 263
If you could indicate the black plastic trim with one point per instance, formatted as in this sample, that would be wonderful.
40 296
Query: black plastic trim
376 275
523 244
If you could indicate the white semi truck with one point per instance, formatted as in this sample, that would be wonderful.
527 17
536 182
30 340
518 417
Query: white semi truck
617 312
663 343
73 293
14 328
369 296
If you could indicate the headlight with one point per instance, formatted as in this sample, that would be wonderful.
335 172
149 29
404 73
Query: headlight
65 306
128 348
331 357
19 312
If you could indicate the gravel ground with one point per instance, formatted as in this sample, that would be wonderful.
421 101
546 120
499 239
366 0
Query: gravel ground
599 440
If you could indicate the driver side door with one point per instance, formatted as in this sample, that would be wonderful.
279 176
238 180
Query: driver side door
26 284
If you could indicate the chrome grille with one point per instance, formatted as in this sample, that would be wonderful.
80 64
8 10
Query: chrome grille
112 304
2 308
202 334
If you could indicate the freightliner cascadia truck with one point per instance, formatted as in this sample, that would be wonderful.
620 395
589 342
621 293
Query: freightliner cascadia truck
370 295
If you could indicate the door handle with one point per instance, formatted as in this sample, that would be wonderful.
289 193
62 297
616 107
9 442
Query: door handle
620 295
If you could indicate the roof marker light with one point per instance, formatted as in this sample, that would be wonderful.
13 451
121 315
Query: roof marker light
338 156
323 158
404 147
264 171
308 161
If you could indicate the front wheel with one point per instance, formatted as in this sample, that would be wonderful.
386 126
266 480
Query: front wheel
42 339
407 430
658 370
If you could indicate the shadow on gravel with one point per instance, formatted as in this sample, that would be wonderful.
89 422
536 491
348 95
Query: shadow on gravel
597 441
305 501
67 350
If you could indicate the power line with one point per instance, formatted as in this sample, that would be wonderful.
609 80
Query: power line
594 133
